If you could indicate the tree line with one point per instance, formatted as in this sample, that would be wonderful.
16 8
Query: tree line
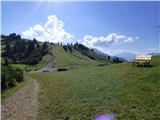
24 51
83 50
89 52
18 50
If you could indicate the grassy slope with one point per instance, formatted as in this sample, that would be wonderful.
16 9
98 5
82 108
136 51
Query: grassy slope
63 59
44 61
67 59
133 93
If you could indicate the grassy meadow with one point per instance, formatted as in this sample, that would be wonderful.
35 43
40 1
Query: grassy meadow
132 93
64 58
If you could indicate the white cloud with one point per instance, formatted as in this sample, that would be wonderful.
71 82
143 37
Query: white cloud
52 31
105 41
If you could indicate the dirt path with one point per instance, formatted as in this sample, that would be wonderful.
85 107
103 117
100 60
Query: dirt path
48 67
23 104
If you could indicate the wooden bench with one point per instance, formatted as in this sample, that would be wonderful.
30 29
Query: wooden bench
142 60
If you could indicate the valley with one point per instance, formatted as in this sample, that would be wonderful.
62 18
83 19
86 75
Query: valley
89 88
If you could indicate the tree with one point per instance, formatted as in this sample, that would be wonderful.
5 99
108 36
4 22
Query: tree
19 46
12 36
45 46
65 47
80 46
30 46
92 50
24 51
6 63
34 41
8 50
69 48
18 37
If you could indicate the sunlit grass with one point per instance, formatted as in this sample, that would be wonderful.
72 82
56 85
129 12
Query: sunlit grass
64 58
132 93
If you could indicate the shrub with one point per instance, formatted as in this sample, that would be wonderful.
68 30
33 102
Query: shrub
10 76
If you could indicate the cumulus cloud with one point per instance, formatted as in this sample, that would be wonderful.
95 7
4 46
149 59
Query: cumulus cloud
52 31
105 41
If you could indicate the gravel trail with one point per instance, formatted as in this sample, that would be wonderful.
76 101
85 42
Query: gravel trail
23 104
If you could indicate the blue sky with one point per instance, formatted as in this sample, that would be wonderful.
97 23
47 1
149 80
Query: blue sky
112 27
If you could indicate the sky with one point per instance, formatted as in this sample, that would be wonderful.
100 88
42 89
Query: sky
111 27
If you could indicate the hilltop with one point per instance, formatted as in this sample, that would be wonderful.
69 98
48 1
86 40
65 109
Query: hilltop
32 54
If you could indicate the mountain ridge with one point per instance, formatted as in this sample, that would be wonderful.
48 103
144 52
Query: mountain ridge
109 56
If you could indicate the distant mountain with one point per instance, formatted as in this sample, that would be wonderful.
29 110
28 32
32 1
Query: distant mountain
154 54
127 55
111 57
130 56
99 52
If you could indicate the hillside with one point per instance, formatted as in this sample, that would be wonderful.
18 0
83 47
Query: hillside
21 51
32 54
93 86
89 89
64 58
130 93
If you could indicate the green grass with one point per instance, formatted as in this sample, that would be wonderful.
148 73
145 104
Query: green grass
41 63
64 58
10 91
132 93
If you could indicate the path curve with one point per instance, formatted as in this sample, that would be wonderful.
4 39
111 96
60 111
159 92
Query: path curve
23 104
48 67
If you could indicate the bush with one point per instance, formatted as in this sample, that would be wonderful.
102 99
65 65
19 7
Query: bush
10 76
18 75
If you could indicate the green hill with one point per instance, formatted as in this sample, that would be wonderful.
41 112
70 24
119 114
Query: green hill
93 86
64 58
32 54
131 93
